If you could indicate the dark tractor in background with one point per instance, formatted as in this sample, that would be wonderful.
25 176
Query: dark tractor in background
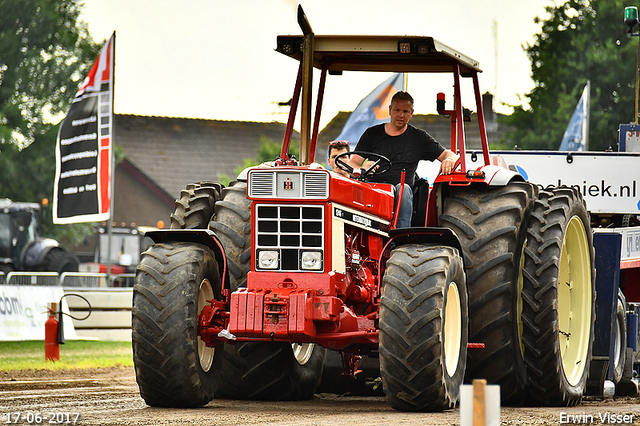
21 247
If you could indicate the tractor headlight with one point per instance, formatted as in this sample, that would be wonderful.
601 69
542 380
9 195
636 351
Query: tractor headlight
268 259
311 260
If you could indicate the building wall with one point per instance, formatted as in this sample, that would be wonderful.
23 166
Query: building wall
138 200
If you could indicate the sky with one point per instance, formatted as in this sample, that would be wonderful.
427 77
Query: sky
215 59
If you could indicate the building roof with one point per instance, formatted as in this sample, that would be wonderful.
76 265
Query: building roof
173 152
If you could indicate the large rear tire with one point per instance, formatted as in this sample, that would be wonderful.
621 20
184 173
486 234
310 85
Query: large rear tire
559 297
174 368
271 371
491 224
194 208
232 225
258 370
423 328
620 339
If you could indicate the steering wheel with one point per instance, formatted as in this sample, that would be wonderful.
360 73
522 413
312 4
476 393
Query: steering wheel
381 163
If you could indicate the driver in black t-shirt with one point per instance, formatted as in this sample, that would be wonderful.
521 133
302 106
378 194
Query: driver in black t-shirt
404 146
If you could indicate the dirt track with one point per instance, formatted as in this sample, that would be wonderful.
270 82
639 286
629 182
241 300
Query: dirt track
110 397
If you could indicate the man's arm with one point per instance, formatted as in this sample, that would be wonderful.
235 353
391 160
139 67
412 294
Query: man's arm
448 161
357 162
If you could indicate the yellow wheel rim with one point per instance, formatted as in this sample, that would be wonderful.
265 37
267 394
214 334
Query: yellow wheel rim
574 301
205 353
452 329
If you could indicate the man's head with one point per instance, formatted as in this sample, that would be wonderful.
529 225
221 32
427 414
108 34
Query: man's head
336 148
402 96
401 109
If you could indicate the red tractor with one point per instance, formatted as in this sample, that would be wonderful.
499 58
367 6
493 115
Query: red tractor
256 281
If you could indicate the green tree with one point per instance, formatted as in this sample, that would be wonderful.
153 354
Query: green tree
45 53
580 40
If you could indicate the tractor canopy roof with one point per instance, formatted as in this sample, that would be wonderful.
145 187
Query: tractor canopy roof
338 53
333 54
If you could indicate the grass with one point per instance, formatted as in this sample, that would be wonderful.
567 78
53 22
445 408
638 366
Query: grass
75 354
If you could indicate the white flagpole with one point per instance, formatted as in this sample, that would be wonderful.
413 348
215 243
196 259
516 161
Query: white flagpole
112 167
587 109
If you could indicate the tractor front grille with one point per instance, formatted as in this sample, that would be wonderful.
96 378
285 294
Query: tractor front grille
289 184
289 234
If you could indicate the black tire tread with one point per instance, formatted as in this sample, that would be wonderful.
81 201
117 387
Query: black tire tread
194 208
232 225
261 371
411 321
621 312
491 224
59 260
164 323
552 211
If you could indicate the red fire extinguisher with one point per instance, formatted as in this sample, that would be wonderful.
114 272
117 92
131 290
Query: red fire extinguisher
51 345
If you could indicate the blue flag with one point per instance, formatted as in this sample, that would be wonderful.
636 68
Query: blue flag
372 110
575 137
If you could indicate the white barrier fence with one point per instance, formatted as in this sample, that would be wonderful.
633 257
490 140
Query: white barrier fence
24 297
110 317
67 279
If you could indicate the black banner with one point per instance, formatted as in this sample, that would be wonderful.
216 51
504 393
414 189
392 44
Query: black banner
82 191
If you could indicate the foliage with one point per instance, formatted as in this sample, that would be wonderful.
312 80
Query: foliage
269 150
45 53
580 40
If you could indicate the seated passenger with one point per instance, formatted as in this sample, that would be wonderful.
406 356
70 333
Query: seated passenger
336 148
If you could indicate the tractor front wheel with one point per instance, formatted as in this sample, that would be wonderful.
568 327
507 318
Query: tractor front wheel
423 328
174 368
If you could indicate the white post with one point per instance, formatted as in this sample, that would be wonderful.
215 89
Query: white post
479 404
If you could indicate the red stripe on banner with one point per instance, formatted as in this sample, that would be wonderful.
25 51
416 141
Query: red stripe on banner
105 177
105 73
90 79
